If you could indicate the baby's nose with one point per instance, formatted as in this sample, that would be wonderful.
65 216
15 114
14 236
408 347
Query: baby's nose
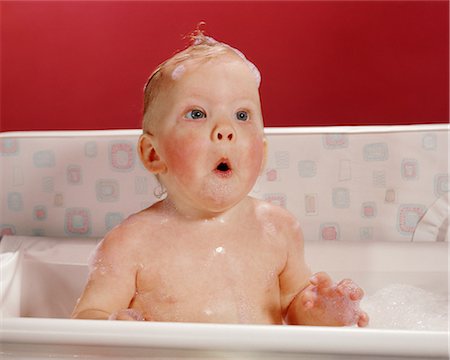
223 133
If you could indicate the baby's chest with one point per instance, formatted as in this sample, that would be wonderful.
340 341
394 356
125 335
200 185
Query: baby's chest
216 267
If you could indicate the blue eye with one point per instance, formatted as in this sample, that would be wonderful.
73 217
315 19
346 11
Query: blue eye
242 115
195 115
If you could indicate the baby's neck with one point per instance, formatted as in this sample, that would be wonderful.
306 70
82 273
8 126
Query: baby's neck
191 214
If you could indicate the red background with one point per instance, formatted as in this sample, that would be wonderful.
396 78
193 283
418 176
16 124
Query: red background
82 64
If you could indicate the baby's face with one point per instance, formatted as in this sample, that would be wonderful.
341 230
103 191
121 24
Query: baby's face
209 133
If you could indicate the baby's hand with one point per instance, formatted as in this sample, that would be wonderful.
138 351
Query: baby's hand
333 304
127 314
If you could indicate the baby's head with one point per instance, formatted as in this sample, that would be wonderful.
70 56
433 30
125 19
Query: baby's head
201 49
203 127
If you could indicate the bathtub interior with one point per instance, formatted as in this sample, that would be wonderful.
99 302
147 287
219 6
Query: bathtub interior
373 204
43 277
362 185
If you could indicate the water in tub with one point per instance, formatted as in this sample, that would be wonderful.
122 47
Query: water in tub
390 306
401 306
395 306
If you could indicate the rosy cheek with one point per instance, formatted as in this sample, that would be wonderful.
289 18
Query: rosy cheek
180 153
255 152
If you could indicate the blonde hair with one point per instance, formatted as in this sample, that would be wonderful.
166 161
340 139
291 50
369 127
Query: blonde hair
200 47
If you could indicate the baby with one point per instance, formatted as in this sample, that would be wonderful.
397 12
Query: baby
208 252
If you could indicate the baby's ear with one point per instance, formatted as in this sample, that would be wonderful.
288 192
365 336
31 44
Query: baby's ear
149 156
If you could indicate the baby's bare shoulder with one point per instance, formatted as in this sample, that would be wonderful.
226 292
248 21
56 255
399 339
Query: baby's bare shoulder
133 230
280 226
289 233
283 220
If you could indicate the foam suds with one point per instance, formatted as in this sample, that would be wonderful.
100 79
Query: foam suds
406 307
270 229
178 72
127 314
220 250
250 65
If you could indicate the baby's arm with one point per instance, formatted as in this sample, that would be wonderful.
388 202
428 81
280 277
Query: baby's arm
111 283
315 300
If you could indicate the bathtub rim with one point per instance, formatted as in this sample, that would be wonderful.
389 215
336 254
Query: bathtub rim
225 337
362 129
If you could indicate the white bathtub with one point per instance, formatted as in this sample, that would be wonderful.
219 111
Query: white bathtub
42 278
384 188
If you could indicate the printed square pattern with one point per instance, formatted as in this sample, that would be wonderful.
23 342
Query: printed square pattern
329 231
410 169
271 175
48 184
77 222
7 229
282 159
40 213
366 186
276 199
335 141
341 198
113 219
58 200
307 168
44 159
107 190
345 170
441 184
366 233
369 210
122 156
390 196
311 208
379 178
429 142
90 149
376 152
74 174
408 217
9 147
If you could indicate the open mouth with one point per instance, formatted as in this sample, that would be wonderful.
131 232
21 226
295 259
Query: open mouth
223 168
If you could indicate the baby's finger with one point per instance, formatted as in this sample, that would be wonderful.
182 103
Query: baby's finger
321 279
348 288
356 294
308 299
342 288
308 304
363 320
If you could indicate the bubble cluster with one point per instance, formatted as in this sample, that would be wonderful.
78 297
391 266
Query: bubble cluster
127 314
400 306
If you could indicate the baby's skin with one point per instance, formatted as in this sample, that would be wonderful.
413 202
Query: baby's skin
209 252
245 266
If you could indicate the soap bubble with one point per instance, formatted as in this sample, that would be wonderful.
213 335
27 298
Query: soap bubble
127 314
400 306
